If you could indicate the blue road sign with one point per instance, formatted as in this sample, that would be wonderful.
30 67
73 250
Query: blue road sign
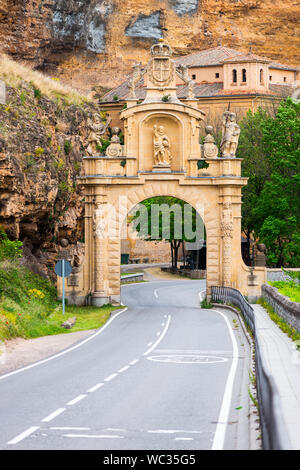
59 268
63 269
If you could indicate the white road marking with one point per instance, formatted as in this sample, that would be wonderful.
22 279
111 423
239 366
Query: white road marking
133 362
76 400
53 415
158 333
184 439
160 338
165 316
69 428
174 431
67 350
149 344
220 433
200 295
115 429
110 377
156 294
123 369
23 435
95 387
94 436
163 324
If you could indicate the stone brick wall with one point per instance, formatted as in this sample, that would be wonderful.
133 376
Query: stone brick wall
278 275
283 306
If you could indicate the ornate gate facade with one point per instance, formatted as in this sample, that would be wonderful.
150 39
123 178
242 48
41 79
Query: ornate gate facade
162 156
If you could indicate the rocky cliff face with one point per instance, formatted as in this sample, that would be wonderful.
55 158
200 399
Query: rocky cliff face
90 42
42 141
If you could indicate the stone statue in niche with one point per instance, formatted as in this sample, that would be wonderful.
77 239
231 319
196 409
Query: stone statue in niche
209 148
231 135
115 149
162 147
97 129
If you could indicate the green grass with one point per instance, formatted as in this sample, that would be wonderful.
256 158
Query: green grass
29 307
290 289
283 325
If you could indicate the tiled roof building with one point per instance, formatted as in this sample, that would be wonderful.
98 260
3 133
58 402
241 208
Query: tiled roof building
223 77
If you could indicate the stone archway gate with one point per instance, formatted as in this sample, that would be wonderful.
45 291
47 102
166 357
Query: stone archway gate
161 157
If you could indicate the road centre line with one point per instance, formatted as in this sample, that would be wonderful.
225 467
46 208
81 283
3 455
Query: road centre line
53 415
184 439
76 400
95 387
67 350
94 436
110 377
220 433
133 362
23 435
123 369
160 338
69 428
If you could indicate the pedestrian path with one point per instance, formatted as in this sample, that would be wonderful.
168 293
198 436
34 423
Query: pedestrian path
283 361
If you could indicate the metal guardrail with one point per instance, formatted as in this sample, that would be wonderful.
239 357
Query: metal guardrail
228 295
274 433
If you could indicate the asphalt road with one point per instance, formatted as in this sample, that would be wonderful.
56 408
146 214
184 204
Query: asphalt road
162 374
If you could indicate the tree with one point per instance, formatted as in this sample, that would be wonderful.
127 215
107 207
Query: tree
163 218
254 166
270 148
278 208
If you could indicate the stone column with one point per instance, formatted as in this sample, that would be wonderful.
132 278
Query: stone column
100 296
227 234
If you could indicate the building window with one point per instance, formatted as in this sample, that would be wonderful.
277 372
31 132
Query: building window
217 75
244 75
261 76
284 79
234 76
270 78
194 77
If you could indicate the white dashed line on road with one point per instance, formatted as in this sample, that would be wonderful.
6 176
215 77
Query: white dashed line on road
123 369
23 435
133 362
76 400
95 387
53 415
160 338
93 436
110 377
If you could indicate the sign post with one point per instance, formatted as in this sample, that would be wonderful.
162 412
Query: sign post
63 269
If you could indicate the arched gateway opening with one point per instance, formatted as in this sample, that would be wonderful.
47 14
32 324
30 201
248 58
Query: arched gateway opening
170 226
162 156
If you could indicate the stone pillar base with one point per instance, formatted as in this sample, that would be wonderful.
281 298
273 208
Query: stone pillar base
98 300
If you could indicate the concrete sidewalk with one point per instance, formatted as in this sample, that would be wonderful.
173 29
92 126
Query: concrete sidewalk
283 362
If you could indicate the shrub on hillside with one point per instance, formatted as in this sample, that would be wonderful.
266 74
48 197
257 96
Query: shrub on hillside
9 249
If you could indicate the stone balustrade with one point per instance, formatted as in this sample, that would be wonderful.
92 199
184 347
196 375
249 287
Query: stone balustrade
283 306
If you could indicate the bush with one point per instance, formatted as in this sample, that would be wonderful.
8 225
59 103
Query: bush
9 249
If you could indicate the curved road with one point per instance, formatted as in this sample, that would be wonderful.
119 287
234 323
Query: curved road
162 374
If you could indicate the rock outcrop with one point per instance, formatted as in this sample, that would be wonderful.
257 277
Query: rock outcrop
96 42
42 142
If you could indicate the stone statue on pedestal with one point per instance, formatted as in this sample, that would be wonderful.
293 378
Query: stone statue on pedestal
97 129
115 149
231 135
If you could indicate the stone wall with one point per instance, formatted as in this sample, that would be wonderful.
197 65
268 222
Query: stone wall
278 275
283 306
